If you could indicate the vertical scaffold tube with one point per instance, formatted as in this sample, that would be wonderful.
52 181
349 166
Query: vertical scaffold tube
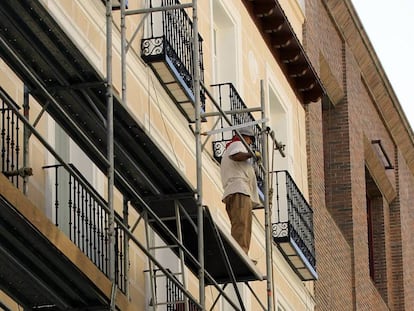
199 194
269 262
123 51
26 135
123 81
110 150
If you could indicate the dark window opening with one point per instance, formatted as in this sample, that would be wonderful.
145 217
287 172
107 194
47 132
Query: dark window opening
370 229
376 240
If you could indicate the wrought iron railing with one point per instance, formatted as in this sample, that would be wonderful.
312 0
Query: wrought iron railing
10 136
177 300
80 213
292 215
174 298
230 100
171 33
78 210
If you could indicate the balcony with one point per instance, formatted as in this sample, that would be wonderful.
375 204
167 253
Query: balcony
82 214
37 272
168 50
10 133
230 101
292 226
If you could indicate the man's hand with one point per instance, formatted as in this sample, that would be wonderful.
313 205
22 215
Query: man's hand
258 156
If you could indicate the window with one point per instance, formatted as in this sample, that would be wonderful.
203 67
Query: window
69 195
375 233
279 124
225 57
370 229
224 45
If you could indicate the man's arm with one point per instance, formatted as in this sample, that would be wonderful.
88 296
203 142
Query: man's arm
241 156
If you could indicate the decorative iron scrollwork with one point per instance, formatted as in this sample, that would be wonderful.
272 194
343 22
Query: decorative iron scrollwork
152 46
179 65
218 149
280 230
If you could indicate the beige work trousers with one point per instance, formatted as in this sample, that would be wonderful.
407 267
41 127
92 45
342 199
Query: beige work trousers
239 209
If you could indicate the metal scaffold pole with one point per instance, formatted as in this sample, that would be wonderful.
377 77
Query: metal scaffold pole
124 93
26 135
123 51
110 151
199 194
269 261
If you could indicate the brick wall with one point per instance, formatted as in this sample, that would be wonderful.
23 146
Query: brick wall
402 239
337 136
334 256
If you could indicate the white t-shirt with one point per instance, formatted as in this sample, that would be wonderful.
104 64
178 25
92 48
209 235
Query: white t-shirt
238 176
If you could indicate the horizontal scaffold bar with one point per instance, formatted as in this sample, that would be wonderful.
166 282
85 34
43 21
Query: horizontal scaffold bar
158 9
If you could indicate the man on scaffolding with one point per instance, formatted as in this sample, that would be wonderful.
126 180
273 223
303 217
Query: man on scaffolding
240 186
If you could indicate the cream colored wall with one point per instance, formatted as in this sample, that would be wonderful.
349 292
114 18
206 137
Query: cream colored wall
84 21
295 15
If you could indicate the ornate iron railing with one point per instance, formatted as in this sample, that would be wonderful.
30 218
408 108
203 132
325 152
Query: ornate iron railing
79 213
292 216
171 34
171 297
176 299
10 142
230 100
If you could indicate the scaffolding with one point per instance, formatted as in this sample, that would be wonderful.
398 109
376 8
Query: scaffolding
199 116
182 210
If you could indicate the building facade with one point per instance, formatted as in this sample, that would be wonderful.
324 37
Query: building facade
113 123
362 134
104 178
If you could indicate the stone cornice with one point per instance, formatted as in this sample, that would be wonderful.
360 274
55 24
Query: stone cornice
277 32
